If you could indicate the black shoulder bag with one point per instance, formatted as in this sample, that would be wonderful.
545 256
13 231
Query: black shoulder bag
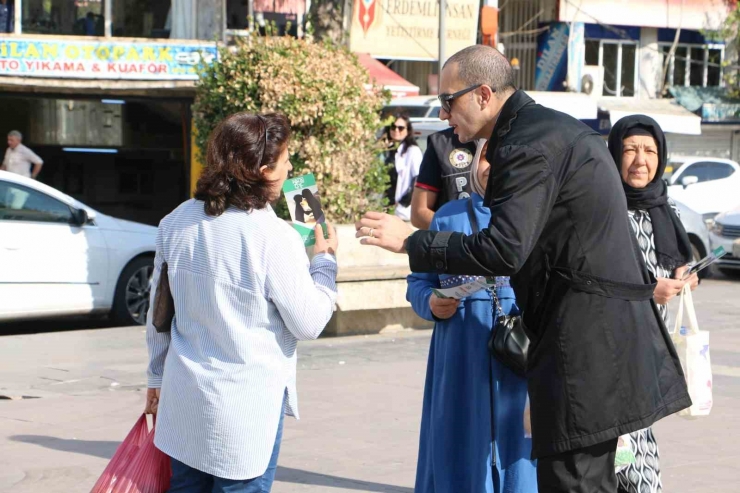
508 343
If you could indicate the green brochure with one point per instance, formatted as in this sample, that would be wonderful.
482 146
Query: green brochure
302 196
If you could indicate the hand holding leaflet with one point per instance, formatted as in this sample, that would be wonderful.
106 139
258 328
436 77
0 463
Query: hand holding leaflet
301 194
463 290
713 256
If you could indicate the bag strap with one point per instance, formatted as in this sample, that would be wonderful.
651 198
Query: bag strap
686 303
474 226
679 318
495 308
471 216
494 469
690 311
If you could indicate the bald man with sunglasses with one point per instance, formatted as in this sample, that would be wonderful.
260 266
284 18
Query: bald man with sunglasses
600 362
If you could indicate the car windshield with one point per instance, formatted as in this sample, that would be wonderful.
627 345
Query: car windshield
411 111
707 171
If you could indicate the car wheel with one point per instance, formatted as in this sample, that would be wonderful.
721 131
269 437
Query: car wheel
131 301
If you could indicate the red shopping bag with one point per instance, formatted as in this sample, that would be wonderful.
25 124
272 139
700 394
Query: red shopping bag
137 466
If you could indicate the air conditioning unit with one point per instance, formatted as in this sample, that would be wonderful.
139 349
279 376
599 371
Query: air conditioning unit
592 80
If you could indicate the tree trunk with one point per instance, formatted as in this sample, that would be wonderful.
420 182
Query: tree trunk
327 20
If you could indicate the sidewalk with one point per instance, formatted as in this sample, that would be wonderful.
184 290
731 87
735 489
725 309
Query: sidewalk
360 399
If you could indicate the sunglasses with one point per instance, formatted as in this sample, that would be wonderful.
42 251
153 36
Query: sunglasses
447 99
398 128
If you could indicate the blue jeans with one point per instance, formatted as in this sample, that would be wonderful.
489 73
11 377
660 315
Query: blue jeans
186 479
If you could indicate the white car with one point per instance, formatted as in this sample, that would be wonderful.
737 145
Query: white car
725 232
422 131
707 185
418 108
696 228
427 108
60 257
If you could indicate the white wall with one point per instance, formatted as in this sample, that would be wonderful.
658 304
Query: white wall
650 64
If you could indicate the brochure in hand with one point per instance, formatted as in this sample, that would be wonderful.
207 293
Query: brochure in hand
715 255
464 290
302 197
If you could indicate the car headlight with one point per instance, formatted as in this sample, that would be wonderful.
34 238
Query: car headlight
709 220
717 228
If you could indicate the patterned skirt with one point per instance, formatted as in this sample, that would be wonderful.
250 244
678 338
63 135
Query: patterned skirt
644 475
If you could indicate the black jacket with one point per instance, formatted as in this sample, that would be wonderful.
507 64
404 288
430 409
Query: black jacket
601 362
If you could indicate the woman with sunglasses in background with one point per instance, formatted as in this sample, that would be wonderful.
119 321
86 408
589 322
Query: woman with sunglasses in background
408 162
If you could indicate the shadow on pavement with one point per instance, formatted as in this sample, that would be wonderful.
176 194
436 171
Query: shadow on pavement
298 476
102 449
60 324
106 449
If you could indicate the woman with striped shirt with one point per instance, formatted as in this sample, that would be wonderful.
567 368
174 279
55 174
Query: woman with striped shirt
244 293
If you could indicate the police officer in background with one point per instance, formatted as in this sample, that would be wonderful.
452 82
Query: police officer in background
444 176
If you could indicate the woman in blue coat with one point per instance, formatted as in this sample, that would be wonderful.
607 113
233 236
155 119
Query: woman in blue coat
455 444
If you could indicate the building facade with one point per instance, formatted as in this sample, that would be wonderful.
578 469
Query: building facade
102 91
633 56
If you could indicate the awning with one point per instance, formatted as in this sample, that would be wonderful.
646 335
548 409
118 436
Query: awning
672 117
692 97
577 105
387 78
715 103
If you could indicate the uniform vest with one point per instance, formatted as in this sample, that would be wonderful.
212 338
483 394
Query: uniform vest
455 162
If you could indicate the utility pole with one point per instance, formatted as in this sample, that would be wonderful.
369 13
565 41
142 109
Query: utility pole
108 18
442 34
17 17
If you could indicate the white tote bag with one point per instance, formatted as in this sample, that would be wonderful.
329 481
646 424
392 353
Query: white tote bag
692 346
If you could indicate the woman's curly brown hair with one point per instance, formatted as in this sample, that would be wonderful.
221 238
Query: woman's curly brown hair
237 148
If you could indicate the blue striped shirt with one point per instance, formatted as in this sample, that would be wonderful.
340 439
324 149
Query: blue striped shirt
244 293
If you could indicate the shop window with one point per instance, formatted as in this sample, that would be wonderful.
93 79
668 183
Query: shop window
285 15
694 65
619 60
280 18
592 51
237 14
136 182
7 16
69 17
679 73
151 19
714 69
74 180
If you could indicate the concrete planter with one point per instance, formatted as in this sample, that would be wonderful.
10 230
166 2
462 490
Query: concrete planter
372 289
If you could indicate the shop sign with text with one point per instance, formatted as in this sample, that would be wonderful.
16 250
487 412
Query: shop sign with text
78 59
408 29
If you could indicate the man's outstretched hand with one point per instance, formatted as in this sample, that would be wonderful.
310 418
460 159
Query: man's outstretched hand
383 230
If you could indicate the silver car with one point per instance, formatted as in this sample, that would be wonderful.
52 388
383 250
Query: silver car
724 231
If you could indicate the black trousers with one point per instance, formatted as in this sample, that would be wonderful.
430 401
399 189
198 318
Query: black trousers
585 470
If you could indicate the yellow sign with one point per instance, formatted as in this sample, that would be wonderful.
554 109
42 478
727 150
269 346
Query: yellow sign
408 29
